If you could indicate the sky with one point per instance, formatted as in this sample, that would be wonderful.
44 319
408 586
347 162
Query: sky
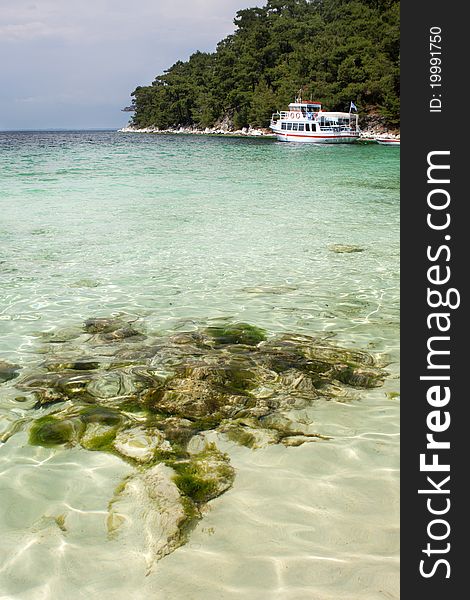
74 63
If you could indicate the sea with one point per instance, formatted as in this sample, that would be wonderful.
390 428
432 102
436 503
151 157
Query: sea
171 230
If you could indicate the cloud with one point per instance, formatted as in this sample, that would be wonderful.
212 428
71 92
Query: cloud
21 32
91 20
82 55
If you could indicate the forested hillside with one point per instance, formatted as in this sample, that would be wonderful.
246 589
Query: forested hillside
337 50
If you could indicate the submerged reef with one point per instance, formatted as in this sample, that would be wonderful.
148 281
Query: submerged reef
160 402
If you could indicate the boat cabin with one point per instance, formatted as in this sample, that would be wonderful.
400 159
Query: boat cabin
306 108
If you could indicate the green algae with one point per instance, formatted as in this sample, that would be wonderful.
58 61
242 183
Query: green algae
101 442
52 431
192 516
75 365
360 378
241 437
237 333
195 487
204 476
60 522
207 423
102 415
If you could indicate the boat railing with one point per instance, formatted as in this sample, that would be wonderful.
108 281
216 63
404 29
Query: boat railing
335 128
292 114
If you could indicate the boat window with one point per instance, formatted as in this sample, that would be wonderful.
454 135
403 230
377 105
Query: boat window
283 126
295 126
307 126
289 126
301 126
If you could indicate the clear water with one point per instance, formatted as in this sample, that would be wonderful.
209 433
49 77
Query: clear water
173 229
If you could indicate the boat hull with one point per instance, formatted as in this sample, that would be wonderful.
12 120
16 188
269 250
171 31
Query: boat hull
389 142
317 138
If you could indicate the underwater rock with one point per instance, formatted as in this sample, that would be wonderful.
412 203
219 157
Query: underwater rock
194 337
270 289
141 444
251 437
124 333
8 371
98 436
110 384
154 499
84 283
195 399
298 440
85 364
361 378
56 387
111 330
52 431
61 336
197 444
205 476
345 248
237 333
103 325
160 404
102 415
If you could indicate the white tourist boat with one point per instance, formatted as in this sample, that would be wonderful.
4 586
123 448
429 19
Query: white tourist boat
305 121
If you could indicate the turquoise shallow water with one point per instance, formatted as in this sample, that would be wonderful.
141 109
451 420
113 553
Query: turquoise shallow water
179 229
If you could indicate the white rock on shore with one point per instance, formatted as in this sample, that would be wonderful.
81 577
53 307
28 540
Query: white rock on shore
373 134
246 131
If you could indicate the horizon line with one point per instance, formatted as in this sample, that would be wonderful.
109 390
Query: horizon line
63 129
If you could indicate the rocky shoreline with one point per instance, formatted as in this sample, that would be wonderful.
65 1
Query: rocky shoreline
366 135
245 132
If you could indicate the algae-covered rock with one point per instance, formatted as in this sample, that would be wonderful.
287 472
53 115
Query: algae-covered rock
205 475
124 333
160 404
196 400
62 335
298 440
103 325
84 283
153 499
52 431
84 364
110 384
141 444
102 415
345 248
108 330
237 333
98 436
8 371
251 437
358 377
56 387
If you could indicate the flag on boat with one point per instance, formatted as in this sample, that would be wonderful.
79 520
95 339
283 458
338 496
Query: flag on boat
352 107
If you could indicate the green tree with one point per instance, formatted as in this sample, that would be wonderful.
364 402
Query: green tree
336 50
